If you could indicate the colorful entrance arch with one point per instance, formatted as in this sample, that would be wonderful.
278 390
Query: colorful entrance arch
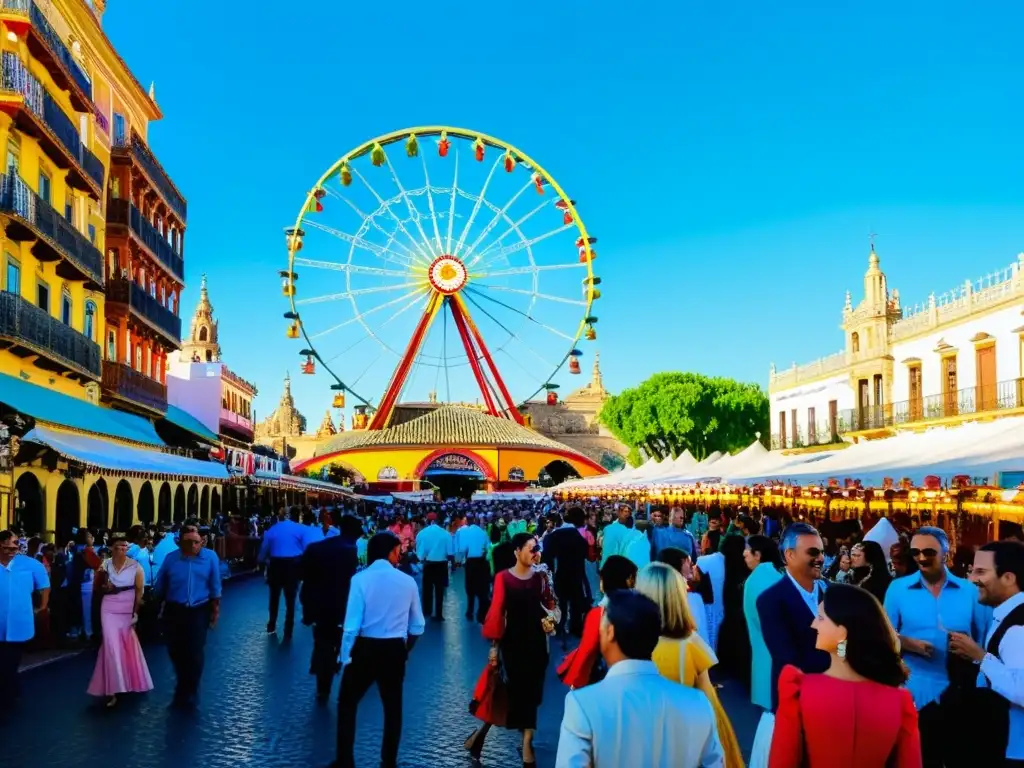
481 463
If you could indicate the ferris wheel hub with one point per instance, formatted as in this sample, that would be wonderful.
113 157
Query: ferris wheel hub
447 275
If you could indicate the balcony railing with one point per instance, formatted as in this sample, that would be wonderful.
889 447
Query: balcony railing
123 381
140 152
234 420
16 78
60 51
33 328
963 402
123 212
46 225
126 292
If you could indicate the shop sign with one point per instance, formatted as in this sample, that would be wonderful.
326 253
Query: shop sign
516 475
453 462
387 473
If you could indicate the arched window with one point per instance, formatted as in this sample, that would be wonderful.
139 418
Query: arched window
855 342
138 358
90 320
202 334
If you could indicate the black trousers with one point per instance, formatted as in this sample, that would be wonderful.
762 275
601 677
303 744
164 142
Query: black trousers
10 660
283 574
373 661
478 586
324 664
185 631
573 603
435 582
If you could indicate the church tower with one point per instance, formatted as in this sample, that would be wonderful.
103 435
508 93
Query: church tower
327 428
202 345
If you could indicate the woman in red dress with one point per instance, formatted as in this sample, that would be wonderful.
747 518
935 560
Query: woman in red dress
523 614
855 715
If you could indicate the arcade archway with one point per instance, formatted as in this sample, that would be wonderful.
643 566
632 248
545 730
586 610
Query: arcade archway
204 503
163 507
96 506
457 474
69 511
146 505
179 504
124 507
556 472
28 515
192 506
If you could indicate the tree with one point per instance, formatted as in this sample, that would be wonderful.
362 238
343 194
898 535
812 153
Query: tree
673 412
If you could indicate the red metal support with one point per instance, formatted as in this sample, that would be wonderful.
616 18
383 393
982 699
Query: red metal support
387 404
459 306
474 362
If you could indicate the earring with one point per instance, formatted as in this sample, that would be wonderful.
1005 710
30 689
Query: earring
841 649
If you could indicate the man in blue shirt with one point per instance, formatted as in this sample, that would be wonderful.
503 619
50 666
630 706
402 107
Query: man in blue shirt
924 608
674 535
471 549
435 550
281 551
189 586
20 577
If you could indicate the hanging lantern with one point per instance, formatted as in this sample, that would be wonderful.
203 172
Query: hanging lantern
563 206
552 398
574 366
590 334
288 282
443 145
309 367
315 206
377 156
339 400
538 182
478 150
345 174
587 254
293 238
510 162
293 331
412 147
595 294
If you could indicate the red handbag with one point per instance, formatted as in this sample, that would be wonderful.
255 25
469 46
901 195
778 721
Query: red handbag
490 699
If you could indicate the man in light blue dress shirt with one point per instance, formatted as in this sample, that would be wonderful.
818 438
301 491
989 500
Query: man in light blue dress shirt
617 536
471 550
924 609
20 577
435 550
189 586
281 551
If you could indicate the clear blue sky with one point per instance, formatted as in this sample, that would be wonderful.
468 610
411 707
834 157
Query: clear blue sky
731 157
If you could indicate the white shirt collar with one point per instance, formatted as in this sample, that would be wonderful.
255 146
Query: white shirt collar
632 667
1002 610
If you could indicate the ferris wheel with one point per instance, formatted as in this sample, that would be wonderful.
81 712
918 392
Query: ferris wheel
430 257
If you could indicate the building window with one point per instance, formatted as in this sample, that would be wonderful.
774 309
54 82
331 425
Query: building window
90 320
111 345
13 159
138 357
92 234
782 429
65 308
916 393
855 342
795 430
119 129
949 386
44 187
69 212
43 296
812 428
13 284
833 420
202 333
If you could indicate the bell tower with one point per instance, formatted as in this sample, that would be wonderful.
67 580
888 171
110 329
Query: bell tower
202 345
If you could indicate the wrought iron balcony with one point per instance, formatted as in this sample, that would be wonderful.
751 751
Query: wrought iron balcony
963 402
121 381
25 17
133 146
124 213
26 330
147 308
37 113
29 217
235 422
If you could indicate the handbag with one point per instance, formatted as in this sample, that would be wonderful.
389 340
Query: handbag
490 697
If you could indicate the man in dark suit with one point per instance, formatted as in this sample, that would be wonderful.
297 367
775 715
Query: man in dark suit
327 570
788 607
565 553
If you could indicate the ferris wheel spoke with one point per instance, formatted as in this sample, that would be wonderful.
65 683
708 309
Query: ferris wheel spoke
513 228
524 292
476 206
370 220
533 376
416 297
491 224
527 315
430 204
451 204
357 292
504 252
529 269
368 368
420 255
377 250
414 213
547 363
352 268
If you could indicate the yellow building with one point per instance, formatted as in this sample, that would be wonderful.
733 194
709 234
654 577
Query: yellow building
66 101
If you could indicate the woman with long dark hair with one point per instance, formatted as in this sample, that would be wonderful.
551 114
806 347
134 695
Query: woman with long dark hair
855 714
522 616
870 568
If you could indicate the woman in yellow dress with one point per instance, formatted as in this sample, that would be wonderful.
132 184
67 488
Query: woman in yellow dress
681 654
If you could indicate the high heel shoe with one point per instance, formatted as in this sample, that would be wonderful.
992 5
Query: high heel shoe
475 743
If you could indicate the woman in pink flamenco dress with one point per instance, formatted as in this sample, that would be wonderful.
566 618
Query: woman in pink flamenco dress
120 666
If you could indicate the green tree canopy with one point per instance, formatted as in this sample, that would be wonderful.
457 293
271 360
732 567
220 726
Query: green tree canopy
672 412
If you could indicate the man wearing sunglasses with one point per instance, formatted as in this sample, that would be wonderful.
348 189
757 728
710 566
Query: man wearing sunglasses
924 608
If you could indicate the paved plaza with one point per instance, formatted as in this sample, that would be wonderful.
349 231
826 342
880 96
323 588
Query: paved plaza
257 706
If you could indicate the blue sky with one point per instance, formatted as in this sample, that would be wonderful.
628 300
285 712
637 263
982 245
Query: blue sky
731 157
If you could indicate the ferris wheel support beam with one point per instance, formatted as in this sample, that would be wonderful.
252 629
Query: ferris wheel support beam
387 404
459 308
472 354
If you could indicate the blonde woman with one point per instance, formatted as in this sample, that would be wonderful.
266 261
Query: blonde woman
681 654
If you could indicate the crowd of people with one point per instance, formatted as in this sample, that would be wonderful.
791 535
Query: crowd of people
862 647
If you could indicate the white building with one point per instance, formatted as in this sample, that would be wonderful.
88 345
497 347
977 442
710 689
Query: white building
958 356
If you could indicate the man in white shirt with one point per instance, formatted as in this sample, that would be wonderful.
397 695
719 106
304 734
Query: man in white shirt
999 575
470 546
636 717
383 621
435 551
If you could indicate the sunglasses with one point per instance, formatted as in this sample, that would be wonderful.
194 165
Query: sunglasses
927 552
813 552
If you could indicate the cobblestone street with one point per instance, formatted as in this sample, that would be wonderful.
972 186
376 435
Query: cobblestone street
257 706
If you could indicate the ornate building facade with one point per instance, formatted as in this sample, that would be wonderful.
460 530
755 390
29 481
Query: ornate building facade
957 356
284 429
